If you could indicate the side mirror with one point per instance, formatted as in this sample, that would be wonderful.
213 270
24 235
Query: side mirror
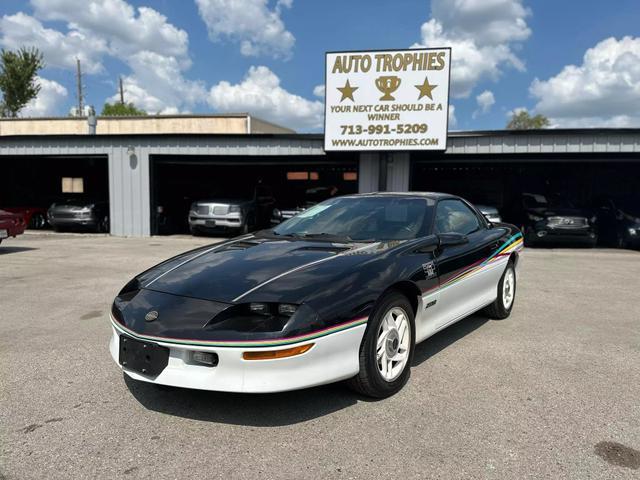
429 244
452 239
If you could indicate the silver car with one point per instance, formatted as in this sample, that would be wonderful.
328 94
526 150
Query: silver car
237 212
490 213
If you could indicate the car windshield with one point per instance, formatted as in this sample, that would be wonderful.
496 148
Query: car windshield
535 200
365 218
629 206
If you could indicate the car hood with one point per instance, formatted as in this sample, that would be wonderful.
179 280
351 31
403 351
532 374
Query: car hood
231 270
560 211
4 215
224 201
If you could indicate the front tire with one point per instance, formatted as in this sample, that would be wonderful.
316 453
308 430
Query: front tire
387 349
503 304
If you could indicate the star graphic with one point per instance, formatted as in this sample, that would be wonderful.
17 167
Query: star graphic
426 89
347 91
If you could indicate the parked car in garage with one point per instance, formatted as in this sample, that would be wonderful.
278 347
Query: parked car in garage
11 225
34 217
619 222
553 220
343 291
232 210
490 213
79 214
312 196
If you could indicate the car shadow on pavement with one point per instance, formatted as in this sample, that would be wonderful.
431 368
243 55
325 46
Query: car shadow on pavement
277 409
6 250
447 337
257 410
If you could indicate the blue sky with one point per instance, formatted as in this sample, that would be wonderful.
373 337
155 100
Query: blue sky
267 57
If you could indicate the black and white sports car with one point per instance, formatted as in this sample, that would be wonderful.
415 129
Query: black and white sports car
342 291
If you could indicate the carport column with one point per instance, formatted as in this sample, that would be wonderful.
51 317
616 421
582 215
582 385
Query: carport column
129 197
398 169
368 172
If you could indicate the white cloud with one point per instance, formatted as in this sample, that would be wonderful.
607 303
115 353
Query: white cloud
603 91
453 121
482 34
116 22
485 101
154 49
260 94
48 101
157 85
516 111
59 49
259 30
318 91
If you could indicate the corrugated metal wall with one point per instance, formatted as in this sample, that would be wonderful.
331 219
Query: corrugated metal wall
129 179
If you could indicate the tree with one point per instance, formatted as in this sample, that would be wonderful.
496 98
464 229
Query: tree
523 121
18 79
118 109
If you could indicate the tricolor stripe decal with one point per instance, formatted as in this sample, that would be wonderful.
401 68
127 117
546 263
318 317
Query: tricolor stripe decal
245 343
513 244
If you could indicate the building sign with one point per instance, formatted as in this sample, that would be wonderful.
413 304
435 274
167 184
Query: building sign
387 100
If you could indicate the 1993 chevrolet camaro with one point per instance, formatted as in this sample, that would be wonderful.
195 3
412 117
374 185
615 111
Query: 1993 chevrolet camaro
342 291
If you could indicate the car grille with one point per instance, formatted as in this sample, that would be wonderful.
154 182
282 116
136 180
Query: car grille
567 221
63 215
202 210
220 210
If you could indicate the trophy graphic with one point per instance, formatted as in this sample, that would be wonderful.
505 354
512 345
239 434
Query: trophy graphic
387 84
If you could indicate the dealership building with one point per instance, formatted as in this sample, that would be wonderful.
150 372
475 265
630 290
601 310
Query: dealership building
146 165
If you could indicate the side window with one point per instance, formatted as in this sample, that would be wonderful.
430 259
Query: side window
453 216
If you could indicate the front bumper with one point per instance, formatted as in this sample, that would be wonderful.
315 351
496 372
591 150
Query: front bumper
91 222
553 234
333 358
231 220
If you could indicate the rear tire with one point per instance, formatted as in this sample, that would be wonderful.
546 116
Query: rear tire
503 304
386 351
37 221
621 242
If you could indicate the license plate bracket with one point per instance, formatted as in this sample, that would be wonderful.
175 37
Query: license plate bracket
143 357
210 223
4 233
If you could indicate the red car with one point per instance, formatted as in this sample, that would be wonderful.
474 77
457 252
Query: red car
34 217
11 225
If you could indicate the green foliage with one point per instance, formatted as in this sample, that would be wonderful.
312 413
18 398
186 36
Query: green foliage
18 83
121 110
523 121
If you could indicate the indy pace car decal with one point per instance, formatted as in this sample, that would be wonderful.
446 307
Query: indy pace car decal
513 244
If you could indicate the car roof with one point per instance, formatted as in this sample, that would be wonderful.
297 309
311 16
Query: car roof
429 195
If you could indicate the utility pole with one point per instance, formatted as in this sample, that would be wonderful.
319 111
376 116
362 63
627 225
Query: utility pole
79 87
121 92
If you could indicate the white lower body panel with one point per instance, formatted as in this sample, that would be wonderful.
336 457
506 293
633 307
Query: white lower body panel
333 358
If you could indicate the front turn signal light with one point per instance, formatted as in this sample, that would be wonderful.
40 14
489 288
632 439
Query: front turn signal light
273 354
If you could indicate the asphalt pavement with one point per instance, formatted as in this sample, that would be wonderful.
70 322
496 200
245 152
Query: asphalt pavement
551 392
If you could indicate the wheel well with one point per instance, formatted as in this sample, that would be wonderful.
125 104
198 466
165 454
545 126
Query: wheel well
514 258
409 290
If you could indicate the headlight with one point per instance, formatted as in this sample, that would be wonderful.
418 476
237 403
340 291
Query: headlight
261 308
593 219
632 231
287 309
234 209
284 309
535 218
